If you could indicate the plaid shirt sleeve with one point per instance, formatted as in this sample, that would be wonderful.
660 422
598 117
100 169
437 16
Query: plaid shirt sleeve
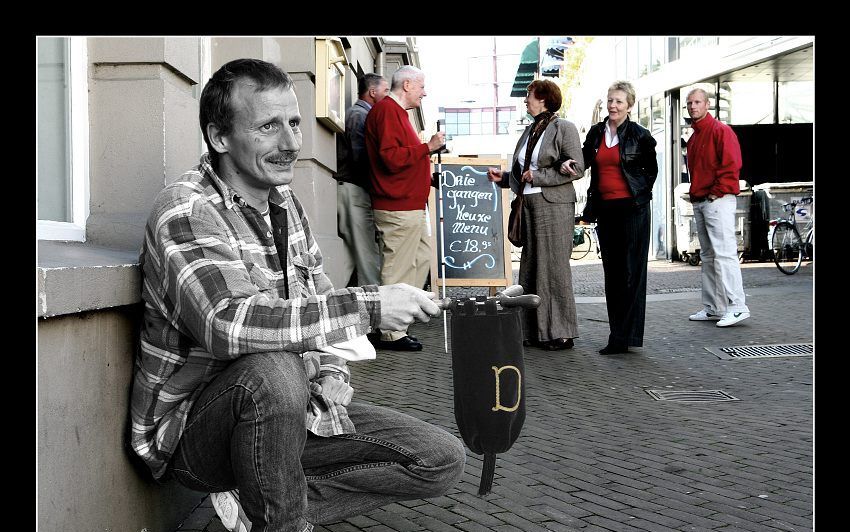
212 293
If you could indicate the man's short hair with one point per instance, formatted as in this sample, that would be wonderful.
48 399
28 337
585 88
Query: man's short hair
368 81
548 91
405 73
704 94
215 105
626 87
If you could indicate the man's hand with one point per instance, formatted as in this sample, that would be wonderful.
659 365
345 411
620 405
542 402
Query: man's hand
333 389
494 174
437 141
527 177
401 304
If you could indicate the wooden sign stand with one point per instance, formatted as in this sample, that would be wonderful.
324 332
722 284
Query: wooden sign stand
506 278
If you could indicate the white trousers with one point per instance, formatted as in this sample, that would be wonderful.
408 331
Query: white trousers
722 287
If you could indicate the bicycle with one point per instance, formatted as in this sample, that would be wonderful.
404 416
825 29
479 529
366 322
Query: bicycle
584 239
786 244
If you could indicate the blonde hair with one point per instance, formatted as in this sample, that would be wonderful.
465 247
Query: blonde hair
703 91
626 87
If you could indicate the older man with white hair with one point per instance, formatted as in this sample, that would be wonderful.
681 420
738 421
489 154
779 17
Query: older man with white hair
401 181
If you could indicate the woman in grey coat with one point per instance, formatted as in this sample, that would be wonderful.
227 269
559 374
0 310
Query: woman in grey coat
549 215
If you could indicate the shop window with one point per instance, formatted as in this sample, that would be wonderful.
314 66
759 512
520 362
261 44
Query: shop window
796 102
643 112
749 102
657 122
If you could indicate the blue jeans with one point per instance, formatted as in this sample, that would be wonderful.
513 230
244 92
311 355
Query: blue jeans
247 431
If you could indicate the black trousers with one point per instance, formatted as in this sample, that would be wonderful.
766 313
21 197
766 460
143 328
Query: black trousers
624 230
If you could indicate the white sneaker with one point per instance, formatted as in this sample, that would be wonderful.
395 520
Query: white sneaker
731 318
230 512
703 315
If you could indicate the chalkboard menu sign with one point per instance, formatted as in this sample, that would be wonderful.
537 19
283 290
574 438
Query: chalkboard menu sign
474 224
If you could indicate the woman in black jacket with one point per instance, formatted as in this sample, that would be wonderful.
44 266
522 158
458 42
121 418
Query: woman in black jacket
623 167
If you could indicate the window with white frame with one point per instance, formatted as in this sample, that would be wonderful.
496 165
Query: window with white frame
477 121
657 121
504 117
61 138
643 112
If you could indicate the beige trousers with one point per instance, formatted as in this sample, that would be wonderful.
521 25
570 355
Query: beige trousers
403 237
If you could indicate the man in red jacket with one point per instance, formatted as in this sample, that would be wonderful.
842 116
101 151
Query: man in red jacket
401 182
714 162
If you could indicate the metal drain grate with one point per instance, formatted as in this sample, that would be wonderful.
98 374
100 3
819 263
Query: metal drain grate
762 351
691 396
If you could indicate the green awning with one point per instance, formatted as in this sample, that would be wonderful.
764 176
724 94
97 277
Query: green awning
527 69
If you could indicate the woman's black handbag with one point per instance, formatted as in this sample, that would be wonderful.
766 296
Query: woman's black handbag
488 373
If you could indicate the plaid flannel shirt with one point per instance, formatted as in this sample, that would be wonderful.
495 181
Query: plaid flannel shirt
214 289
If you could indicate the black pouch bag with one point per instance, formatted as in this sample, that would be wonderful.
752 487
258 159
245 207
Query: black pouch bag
488 374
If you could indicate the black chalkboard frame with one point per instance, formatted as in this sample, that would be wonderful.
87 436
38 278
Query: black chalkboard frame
480 164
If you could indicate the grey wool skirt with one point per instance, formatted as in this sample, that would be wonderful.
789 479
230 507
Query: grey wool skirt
544 268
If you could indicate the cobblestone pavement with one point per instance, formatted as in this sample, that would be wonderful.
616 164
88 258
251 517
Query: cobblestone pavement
597 452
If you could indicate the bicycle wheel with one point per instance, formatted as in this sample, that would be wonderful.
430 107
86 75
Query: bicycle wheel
787 248
581 250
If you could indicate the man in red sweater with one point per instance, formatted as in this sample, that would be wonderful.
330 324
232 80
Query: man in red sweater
714 162
401 182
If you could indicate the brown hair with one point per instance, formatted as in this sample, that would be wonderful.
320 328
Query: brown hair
215 105
548 91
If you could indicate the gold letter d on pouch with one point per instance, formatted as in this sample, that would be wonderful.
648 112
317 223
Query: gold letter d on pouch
499 406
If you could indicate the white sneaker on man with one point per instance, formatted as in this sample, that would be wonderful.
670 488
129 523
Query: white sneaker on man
731 318
703 315
230 512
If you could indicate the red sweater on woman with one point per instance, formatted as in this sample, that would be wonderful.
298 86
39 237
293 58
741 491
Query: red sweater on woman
401 168
612 182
